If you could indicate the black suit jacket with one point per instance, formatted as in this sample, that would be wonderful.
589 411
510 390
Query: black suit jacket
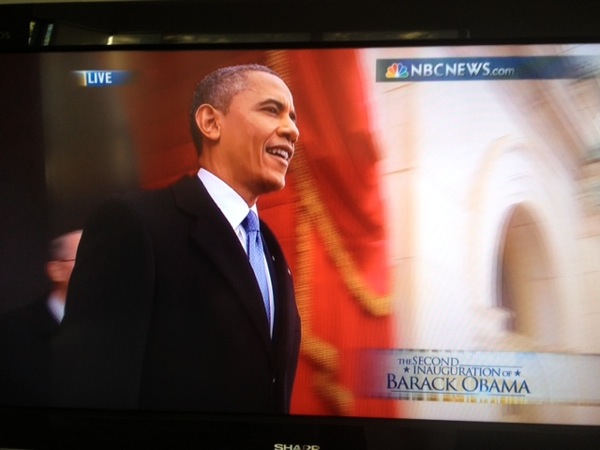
25 337
164 312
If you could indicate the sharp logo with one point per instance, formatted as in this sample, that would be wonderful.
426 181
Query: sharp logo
296 447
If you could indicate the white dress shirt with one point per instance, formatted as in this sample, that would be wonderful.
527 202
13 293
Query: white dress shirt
56 307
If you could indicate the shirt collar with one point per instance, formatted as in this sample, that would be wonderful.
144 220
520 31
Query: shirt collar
56 307
231 204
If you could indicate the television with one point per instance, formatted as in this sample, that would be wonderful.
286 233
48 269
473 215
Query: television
441 218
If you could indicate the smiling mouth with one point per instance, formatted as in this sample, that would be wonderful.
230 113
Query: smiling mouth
280 152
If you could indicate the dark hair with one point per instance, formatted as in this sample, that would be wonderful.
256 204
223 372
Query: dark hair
218 89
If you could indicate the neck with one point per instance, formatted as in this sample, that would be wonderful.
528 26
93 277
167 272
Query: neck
225 176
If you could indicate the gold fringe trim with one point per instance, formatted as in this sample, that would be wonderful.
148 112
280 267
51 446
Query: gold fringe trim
313 214
321 355
372 303
334 394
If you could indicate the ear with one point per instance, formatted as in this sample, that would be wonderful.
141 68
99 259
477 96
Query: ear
208 121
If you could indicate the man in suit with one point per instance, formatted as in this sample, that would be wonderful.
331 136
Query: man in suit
26 332
165 311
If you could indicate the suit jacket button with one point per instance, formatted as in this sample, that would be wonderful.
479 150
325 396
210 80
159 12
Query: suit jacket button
273 380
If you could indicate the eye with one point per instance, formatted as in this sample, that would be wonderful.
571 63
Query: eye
271 109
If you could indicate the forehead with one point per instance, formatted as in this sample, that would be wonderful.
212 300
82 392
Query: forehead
262 86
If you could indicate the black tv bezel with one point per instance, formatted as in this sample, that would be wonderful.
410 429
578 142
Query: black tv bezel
475 20
57 428
35 428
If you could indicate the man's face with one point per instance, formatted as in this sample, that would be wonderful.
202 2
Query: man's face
257 136
59 271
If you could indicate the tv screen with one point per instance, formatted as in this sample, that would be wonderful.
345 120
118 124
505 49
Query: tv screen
440 220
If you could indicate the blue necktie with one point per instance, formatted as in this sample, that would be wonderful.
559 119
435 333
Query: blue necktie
256 256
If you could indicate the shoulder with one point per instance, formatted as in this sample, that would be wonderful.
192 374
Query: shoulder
134 206
33 309
156 201
130 221
32 316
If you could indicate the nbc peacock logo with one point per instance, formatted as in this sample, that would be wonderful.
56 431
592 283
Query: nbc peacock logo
396 70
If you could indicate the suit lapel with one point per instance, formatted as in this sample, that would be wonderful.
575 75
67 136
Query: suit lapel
217 240
282 289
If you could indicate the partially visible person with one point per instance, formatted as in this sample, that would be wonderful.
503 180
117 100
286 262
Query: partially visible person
26 332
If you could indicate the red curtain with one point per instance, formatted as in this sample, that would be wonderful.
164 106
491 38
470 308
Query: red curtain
331 222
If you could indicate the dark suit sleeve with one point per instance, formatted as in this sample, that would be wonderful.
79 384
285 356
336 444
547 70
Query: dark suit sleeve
98 352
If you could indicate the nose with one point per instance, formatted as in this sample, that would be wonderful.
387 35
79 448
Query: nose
289 130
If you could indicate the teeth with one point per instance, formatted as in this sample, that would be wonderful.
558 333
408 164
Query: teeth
279 152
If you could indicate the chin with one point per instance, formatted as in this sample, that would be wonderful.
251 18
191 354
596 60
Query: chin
277 187
273 184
